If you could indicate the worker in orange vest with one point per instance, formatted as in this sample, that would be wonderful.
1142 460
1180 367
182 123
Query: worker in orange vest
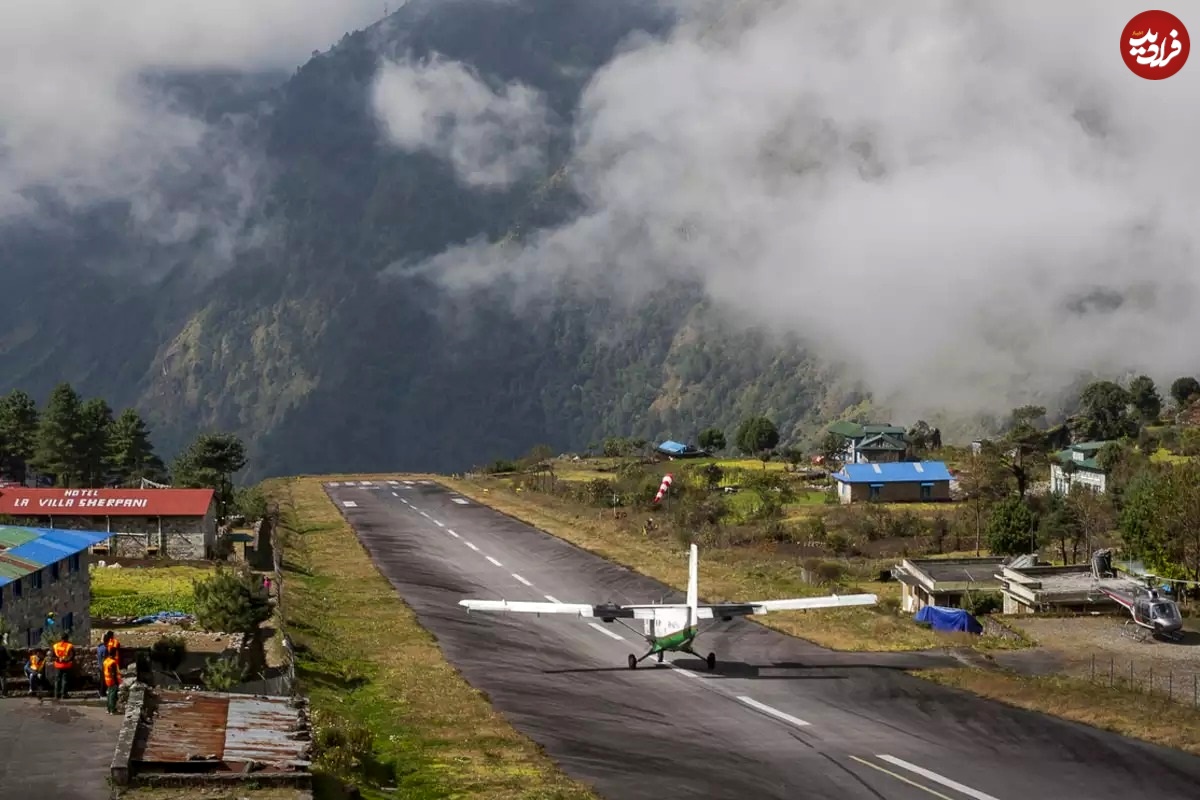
112 681
64 659
33 670
113 646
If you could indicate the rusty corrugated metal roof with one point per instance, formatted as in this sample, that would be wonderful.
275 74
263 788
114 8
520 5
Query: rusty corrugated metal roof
226 730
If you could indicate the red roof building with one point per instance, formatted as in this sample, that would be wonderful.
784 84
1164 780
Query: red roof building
175 523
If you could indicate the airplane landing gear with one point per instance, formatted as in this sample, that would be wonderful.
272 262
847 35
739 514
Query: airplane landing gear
711 660
632 661
660 656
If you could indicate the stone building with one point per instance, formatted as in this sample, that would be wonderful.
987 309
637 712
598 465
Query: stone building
178 524
44 571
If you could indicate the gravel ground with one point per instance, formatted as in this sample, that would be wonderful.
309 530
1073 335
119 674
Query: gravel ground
1096 648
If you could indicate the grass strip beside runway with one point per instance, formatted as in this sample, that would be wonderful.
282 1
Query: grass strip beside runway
373 674
1129 713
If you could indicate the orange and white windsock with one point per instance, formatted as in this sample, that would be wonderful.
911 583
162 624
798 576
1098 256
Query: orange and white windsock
662 487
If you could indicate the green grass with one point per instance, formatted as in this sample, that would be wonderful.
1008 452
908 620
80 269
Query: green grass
366 663
139 591
1165 456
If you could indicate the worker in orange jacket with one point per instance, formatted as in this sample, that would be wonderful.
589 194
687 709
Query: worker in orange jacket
64 659
33 670
112 682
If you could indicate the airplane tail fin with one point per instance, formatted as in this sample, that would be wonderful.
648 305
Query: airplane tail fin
693 589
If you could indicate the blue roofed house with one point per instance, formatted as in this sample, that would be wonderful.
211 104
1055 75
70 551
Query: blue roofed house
42 571
896 482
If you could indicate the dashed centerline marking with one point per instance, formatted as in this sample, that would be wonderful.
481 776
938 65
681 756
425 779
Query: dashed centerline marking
349 504
439 523
601 628
395 494
452 533
552 598
473 547
494 561
774 712
426 516
518 577
459 500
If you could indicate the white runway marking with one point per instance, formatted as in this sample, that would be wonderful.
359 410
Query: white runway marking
425 483
686 672
518 577
494 561
368 483
349 504
408 483
395 494
439 523
460 501
349 483
410 505
936 778
394 483
335 483
473 547
774 712
609 633
552 598
452 533
426 516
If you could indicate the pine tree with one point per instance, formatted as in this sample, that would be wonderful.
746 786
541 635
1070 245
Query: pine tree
94 454
210 462
133 455
18 433
60 433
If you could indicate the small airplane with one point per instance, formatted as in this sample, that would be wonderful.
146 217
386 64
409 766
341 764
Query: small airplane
672 626
1150 610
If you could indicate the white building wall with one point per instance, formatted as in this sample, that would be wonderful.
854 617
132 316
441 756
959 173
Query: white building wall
1061 483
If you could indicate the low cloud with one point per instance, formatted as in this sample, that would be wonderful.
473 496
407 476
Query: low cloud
492 137
79 122
966 205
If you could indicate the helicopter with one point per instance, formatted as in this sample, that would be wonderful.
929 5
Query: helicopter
1158 616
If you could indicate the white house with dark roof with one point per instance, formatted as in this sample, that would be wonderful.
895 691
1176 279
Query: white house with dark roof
871 442
1077 466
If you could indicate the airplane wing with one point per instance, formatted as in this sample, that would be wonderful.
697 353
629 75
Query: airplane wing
730 610
604 611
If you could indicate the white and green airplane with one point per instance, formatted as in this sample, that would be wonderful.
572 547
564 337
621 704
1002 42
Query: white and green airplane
672 626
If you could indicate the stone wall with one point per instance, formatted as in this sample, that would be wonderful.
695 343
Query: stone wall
132 537
70 594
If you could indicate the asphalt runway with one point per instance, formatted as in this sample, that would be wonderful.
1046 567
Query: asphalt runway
777 718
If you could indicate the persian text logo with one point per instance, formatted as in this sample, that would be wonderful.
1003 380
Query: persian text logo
1155 45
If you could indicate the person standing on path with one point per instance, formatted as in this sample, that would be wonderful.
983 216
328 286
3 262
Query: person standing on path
101 654
64 659
112 681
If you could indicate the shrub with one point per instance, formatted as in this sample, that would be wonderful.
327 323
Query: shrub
979 603
222 674
339 746
231 601
830 573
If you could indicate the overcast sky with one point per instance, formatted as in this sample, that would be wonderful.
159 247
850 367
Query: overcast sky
922 189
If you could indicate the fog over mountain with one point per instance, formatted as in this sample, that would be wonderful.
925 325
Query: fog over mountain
966 204
440 237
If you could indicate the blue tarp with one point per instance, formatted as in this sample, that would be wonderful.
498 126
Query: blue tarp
672 447
163 616
941 618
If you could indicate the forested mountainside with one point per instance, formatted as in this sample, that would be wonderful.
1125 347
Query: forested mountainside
279 327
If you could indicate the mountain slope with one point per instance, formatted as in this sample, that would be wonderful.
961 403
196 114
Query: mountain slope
323 364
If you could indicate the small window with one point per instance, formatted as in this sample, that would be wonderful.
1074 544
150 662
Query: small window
1 597
75 563
37 579
17 590
54 572
874 493
69 622
926 492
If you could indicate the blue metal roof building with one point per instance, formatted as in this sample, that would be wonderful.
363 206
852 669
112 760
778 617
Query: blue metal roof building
24 551
894 482
894 472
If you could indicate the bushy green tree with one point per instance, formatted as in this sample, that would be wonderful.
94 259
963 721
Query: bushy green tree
757 435
711 439
1145 398
1184 390
233 601
210 462
1158 519
1104 413
1010 529
95 451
